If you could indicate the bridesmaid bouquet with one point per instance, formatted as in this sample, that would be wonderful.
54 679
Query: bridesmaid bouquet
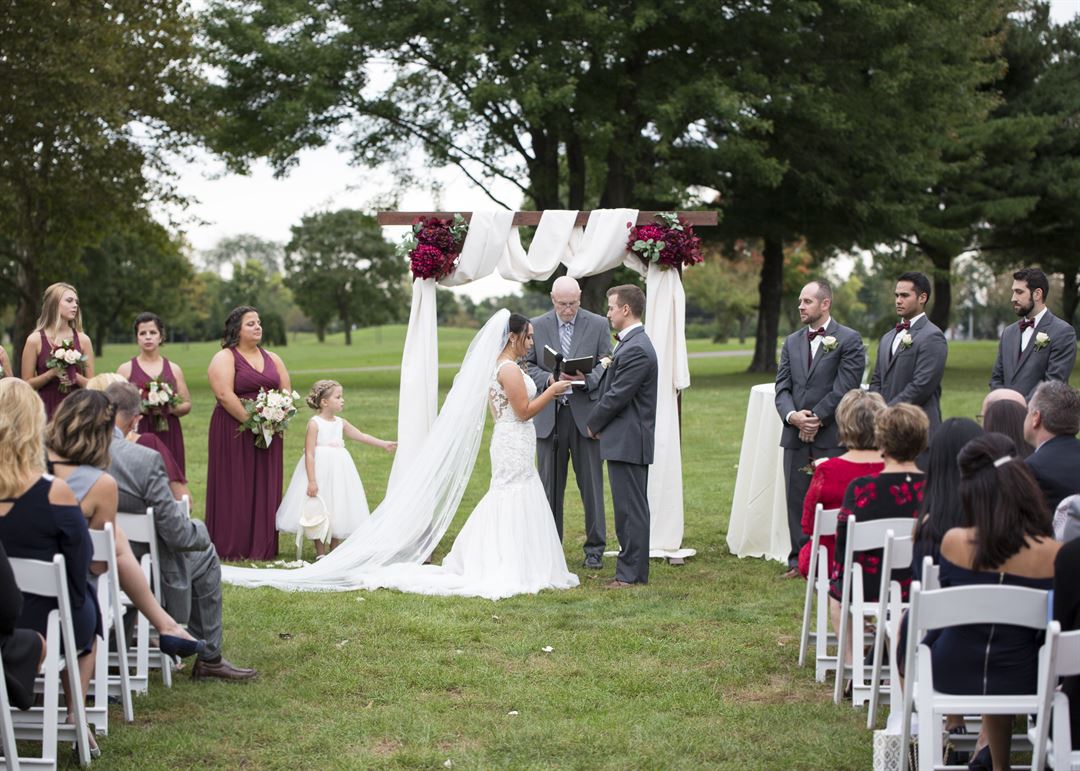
269 413
157 398
66 358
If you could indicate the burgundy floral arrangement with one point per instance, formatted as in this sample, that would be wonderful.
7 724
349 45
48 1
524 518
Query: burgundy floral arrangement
433 245
670 243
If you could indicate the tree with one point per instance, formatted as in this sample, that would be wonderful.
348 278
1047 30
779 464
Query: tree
574 104
723 289
244 247
252 284
858 94
340 260
94 99
144 268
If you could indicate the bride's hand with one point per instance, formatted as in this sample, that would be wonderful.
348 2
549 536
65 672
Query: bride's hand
560 387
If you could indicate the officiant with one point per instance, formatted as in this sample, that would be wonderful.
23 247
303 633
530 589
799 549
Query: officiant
561 431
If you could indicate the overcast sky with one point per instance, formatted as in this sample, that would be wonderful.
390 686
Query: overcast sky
229 204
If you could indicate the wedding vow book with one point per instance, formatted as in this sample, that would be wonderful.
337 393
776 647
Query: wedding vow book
579 367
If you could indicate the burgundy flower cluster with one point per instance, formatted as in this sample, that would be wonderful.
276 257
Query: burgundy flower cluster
671 243
437 246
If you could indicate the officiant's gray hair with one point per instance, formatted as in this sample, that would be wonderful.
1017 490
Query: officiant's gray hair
126 397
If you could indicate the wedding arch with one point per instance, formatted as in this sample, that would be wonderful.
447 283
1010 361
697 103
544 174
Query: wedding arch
587 243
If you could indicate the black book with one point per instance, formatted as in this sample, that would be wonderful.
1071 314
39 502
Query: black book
580 366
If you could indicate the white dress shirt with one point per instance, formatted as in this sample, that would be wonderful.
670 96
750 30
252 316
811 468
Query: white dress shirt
1027 334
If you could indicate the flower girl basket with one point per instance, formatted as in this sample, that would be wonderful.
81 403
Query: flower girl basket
314 523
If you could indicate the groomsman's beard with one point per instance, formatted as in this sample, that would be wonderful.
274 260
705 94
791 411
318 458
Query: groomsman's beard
1024 312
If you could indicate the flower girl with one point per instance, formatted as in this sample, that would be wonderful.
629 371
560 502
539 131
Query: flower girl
326 498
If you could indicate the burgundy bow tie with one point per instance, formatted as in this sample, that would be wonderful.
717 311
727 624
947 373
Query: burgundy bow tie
1026 323
615 337
812 333
905 325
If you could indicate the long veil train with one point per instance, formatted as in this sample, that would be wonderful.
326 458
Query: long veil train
409 523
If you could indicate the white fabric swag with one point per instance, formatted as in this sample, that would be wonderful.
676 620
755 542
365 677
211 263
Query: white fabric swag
493 243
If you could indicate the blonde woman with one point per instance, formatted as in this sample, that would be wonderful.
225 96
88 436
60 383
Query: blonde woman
60 323
40 518
5 363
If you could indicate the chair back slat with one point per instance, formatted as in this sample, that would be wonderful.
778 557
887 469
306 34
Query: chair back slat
1068 654
825 520
985 604
871 534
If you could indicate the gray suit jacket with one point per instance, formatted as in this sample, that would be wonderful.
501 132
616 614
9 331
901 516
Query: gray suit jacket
1024 371
821 387
914 374
140 474
592 337
625 414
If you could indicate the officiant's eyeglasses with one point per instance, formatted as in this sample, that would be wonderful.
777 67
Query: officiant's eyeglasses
571 304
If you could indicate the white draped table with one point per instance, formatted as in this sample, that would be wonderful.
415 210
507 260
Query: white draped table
758 523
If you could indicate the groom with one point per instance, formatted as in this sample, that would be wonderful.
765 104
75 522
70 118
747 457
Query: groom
624 420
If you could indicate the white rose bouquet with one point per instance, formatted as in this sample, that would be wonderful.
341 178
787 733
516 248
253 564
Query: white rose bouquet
68 361
269 413
158 398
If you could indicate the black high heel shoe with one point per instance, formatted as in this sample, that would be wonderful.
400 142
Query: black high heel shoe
171 645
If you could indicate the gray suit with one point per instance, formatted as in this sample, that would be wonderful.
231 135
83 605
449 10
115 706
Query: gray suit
592 337
1023 370
819 388
190 571
625 420
914 374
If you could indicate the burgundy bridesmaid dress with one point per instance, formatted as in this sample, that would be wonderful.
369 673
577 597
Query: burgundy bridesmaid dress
50 393
173 438
243 482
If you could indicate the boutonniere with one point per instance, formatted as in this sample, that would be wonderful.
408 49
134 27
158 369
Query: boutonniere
605 362
1041 340
905 340
829 343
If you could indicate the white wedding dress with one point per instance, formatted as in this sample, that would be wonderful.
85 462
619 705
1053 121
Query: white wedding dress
507 546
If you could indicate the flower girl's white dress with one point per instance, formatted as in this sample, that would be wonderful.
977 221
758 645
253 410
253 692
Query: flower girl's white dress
339 484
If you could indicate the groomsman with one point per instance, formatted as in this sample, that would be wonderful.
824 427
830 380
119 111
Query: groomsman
575 332
1039 346
818 365
911 357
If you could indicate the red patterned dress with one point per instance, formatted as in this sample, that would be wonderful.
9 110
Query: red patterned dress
885 496
830 482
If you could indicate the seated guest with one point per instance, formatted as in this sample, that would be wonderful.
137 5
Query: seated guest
190 571
1053 419
1002 395
901 432
22 650
1067 519
78 440
177 481
1067 611
855 422
40 518
941 509
1006 539
1007 417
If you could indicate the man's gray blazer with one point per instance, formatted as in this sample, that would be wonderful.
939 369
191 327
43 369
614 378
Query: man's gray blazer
592 337
1024 371
819 387
625 414
140 474
914 374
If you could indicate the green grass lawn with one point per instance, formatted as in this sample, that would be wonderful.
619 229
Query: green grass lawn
696 669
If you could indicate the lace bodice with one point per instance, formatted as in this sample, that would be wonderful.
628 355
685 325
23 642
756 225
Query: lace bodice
513 442
330 432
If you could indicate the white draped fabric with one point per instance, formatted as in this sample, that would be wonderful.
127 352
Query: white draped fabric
418 394
411 520
665 324
603 244
554 241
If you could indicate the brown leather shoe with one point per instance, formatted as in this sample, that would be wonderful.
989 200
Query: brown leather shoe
617 584
222 670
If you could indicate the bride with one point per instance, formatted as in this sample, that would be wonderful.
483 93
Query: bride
508 545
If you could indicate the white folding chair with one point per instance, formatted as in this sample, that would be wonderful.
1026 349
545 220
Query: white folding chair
49 579
854 610
139 528
1060 658
10 758
112 622
817 583
959 606
897 554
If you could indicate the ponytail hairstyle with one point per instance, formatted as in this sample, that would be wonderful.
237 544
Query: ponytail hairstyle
1001 499
517 324
320 391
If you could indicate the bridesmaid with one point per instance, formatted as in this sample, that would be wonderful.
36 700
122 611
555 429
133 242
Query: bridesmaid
243 482
60 320
150 364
